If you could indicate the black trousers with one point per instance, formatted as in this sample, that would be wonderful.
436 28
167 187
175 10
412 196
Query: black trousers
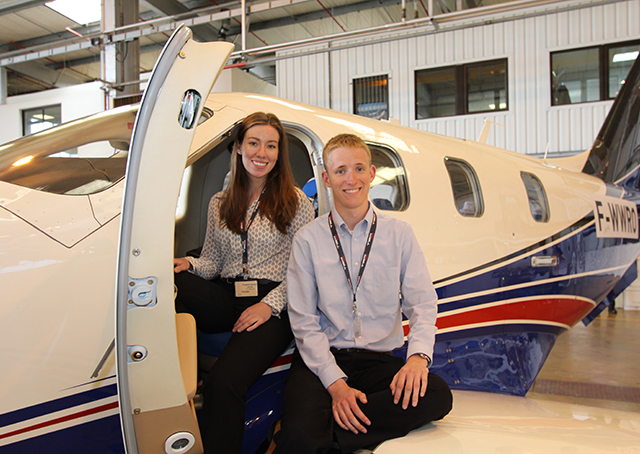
245 358
308 426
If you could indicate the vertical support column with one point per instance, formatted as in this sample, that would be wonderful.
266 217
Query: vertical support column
108 51
130 49
3 85
120 61
243 25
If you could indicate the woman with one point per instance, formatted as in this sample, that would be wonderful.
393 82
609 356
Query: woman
246 250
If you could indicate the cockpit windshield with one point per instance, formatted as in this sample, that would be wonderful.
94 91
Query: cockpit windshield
83 170
79 158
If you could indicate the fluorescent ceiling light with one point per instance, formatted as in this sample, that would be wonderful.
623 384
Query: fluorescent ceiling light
627 56
80 11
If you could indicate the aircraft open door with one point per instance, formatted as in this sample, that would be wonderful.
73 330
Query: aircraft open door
154 392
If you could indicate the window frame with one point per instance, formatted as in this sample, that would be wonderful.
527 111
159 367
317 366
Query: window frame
474 186
546 212
400 180
371 78
461 81
603 69
27 113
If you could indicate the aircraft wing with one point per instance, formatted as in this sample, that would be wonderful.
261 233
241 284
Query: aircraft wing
482 423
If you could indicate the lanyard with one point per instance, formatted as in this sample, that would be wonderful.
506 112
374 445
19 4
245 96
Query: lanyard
345 266
244 236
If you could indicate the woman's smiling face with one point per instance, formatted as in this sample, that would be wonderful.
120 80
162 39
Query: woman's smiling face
259 150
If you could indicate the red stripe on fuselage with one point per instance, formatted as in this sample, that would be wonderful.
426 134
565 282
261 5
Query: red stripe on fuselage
62 419
284 359
567 311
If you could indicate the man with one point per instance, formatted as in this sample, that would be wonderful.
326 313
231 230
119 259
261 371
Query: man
349 275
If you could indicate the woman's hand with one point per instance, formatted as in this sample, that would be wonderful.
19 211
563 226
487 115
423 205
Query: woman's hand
180 265
252 317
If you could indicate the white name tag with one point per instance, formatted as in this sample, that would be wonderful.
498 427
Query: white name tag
246 288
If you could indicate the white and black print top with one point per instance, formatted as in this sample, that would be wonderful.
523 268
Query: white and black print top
268 249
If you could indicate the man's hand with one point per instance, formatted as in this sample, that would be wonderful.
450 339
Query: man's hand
252 317
345 407
412 379
180 265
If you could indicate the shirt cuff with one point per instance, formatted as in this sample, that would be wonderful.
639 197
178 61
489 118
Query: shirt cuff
331 375
272 300
419 348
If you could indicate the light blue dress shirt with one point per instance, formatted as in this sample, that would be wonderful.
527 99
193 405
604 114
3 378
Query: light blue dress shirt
321 300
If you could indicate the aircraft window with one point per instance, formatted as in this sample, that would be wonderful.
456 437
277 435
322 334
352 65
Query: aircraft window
389 188
537 197
205 115
467 194
87 169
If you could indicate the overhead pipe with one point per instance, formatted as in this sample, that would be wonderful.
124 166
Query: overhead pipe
330 39
432 20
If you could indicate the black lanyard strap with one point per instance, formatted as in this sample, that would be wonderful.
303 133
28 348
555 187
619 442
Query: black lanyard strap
365 255
244 236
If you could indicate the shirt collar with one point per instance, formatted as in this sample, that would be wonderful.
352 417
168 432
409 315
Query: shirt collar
366 221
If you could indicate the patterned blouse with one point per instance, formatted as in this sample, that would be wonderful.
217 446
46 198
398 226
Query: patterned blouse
268 249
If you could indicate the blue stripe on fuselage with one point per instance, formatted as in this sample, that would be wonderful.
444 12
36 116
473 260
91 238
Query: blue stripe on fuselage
56 405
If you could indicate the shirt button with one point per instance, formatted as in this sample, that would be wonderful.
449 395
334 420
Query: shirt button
356 263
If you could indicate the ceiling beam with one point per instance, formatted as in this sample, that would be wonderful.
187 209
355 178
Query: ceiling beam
20 5
264 25
52 38
202 32
316 15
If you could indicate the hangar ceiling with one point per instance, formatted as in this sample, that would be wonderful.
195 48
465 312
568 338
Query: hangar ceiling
53 51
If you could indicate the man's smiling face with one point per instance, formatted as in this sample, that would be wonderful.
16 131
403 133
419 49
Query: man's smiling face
348 174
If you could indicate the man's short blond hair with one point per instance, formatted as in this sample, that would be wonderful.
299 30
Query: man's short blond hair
344 141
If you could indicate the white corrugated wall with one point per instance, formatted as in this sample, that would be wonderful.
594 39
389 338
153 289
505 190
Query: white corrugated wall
324 79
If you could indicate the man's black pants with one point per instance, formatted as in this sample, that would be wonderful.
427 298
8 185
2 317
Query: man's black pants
308 425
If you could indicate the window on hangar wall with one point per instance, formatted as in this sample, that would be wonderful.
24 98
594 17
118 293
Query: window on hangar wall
460 90
40 118
592 73
371 97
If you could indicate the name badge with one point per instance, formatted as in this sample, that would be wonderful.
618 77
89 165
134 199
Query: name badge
246 288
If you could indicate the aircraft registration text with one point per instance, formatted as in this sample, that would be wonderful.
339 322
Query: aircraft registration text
616 218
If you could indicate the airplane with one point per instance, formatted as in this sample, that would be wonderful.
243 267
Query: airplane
94 357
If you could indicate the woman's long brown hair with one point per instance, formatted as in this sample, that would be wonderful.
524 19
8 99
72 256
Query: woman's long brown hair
279 202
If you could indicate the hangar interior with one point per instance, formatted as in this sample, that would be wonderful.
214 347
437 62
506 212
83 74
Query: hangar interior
544 71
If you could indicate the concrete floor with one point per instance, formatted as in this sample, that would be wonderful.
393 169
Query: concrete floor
596 365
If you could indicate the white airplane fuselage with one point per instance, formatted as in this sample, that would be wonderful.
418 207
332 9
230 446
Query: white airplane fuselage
508 283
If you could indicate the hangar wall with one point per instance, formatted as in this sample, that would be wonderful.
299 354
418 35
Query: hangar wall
525 38
76 101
